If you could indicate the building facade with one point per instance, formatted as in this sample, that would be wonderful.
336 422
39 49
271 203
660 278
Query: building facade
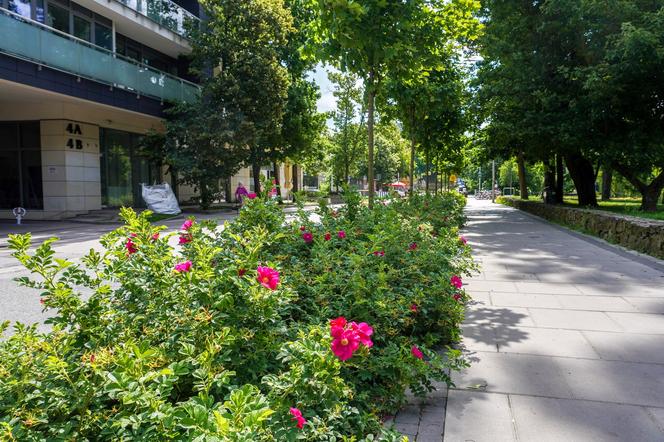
80 82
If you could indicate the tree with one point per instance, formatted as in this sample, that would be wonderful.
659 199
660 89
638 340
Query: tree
244 41
367 38
200 146
347 143
625 86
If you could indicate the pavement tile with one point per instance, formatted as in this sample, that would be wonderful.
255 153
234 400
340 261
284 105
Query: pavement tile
480 337
573 319
639 322
524 300
486 286
647 305
549 342
596 303
554 420
614 381
547 288
513 373
478 417
510 316
630 347
622 289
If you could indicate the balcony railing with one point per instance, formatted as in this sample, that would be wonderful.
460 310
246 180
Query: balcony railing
30 40
165 13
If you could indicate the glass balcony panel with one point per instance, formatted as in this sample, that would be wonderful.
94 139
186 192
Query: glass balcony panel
58 52
152 82
19 38
31 40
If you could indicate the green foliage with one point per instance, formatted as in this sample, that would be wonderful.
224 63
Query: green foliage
139 351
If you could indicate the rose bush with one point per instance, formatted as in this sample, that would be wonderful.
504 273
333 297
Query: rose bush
243 333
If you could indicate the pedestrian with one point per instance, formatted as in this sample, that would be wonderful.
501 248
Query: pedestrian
240 193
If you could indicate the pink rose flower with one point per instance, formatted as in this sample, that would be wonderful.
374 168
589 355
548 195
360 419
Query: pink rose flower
268 277
379 253
251 195
341 234
131 247
463 240
328 236
307 237
345 344
184 239
456 281
457 297
241 272
348 337
297 417
364 331
413 308
187 225
183 267
155 236
416 352
412 246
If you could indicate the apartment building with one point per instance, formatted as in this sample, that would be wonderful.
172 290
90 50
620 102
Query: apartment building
80 82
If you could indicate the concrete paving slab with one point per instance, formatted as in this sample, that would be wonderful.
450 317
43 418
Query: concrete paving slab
478 417
490 286
513 373
639 322
510 316
479 338
525 300
547 288
647 305
619 289
627 346
614 381
550 342
555 420
573 319
596 303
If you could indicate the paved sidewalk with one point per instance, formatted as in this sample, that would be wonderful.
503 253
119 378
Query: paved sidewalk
566 338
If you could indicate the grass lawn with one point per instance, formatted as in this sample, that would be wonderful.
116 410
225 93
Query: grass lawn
156 217
623 206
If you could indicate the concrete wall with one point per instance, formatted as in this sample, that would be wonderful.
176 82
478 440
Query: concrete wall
70 168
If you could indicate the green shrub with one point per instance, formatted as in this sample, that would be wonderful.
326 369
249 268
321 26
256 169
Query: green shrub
149 342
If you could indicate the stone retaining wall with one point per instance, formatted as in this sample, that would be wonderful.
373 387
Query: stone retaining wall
643 235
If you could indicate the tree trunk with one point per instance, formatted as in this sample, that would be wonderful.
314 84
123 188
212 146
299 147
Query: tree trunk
256 170
549 183
371 95
205 195
228 192
412 165
560 179
581 171
296 180
521 166
426 183
277 181
650 198
607 180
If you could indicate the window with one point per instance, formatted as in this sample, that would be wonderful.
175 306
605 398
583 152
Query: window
103 36
20 154
82 28
58 18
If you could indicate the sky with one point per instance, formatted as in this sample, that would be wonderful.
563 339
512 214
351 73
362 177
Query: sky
326 102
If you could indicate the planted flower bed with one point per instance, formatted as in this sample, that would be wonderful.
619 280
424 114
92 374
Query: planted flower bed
263 330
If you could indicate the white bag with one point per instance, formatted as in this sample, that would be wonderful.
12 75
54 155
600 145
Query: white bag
160 199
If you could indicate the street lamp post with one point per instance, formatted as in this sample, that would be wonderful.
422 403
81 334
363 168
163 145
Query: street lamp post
493 181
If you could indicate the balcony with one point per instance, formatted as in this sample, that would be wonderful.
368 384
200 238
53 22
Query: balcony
30 40
165 13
